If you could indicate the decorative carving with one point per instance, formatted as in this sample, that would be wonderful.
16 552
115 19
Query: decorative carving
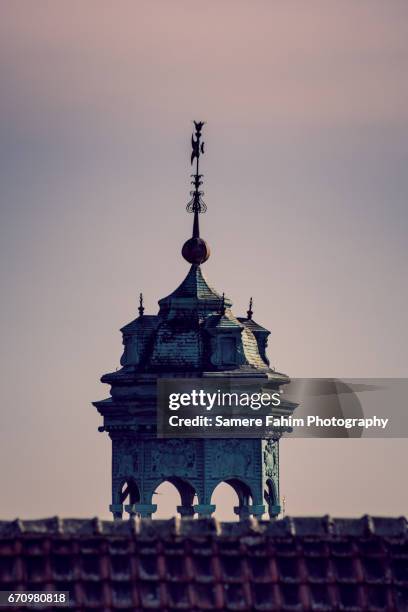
231 458
125 459
270 459
127 465
173 457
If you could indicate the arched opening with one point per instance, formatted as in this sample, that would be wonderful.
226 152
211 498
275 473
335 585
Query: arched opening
167 498
129 493
229 495
173 497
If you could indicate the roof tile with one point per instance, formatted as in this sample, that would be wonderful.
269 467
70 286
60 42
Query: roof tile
310 563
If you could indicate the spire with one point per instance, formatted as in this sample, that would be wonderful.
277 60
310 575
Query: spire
196 250
141 307
250 311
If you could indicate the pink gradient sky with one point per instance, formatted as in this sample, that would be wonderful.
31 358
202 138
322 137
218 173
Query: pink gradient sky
306 185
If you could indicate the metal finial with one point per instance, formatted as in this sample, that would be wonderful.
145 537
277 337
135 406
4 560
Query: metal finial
141 307
195 250
196 205
250 311
223 309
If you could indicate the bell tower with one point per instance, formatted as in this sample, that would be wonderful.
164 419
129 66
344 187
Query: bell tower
194 334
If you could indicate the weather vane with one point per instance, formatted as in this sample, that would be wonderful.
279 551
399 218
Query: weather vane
196 204
195 250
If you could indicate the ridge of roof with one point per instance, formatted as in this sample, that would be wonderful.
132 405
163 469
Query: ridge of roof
226 320
147 321
252 325
319 527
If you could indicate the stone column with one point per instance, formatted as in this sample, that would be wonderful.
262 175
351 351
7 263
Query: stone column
185 511
117 511
142 510
204 510
245 511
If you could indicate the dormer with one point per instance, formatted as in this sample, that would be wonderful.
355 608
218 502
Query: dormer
261 333
231 344
136 339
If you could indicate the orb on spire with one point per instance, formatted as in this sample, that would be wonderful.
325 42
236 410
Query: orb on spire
196 251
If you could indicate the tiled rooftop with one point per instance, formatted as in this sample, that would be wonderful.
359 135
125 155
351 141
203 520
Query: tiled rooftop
291 564
195 286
